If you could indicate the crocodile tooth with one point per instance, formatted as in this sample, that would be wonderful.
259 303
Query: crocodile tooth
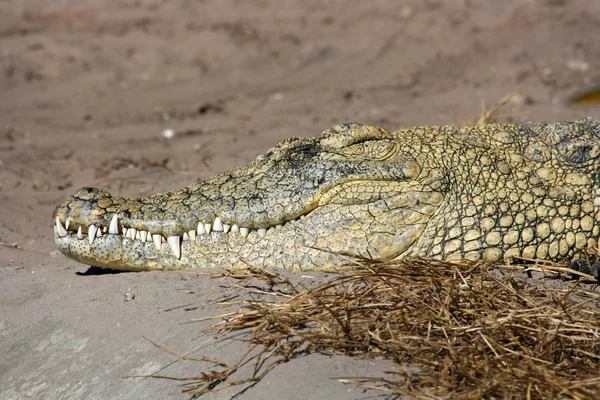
99 232
114 225
125 231
79 233
235 228
138 236
157 239
92 233
226 228
185 237
244 232
278 226
262 232
207 227
60 229
131 233
217 225
174 244
192 235
67 222
201 230
144 236
104 229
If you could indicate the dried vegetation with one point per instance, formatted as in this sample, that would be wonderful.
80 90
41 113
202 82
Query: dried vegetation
453 330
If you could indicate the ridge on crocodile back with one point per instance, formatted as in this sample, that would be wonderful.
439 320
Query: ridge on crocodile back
488 192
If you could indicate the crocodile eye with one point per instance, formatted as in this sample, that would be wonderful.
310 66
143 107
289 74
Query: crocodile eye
374 150
345 135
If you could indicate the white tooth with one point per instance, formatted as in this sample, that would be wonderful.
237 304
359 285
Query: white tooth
235 228
60 229
278 226
185 237
99 233
201 230
226 228
104 229
163 240
138 236
217 225
207 227
131 233
124 231
157 239
144 236
192 235
79 233
174 243
92 233
55 232
114 225
244 232
262 232
67 222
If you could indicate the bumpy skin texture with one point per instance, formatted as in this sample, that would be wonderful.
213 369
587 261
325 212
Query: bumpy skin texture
488 192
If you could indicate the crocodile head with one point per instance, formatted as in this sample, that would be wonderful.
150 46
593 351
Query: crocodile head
350 189
443 192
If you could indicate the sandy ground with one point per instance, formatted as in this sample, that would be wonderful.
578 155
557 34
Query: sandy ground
87 88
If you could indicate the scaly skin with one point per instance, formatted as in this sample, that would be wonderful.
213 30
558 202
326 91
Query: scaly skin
488 192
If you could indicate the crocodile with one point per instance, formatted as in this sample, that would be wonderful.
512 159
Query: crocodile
493 192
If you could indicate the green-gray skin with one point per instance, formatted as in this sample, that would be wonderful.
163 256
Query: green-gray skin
489 192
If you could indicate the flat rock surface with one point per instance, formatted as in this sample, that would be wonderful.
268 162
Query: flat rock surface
88 89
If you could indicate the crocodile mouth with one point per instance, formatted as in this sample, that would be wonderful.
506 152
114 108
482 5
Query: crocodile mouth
98 229
92 215
71 232
378 226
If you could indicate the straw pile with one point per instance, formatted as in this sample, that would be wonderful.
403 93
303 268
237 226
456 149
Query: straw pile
453 330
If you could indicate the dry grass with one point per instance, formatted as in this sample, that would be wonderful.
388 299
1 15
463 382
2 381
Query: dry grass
453 330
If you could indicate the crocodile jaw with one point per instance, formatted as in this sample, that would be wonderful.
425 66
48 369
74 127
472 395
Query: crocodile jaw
380 229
